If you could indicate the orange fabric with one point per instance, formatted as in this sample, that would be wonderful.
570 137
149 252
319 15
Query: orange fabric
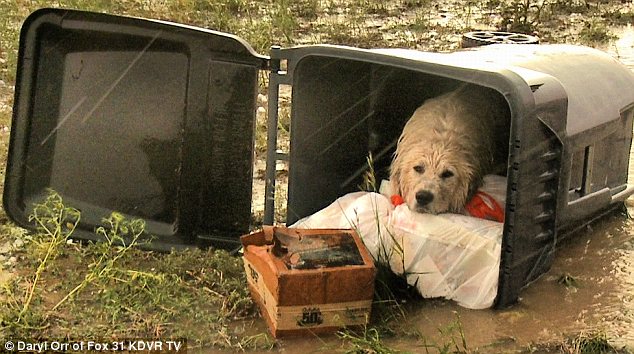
396 200
483 206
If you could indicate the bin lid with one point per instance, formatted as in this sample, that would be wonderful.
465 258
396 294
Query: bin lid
148 118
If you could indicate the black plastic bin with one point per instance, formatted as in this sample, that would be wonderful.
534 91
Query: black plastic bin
156 120
570 125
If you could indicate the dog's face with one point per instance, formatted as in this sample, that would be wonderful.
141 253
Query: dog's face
433 179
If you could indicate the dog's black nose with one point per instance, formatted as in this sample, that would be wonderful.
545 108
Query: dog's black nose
424 197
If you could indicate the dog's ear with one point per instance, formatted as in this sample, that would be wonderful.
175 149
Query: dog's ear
476 183
395 177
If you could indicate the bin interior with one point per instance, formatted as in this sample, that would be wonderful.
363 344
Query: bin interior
344 111
89 134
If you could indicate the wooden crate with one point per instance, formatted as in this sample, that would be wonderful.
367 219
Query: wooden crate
309 281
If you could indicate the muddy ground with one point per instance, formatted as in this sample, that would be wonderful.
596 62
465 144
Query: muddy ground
590 288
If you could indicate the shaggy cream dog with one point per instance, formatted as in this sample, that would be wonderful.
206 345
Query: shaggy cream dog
447 146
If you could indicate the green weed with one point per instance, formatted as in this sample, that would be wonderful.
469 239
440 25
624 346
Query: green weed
567 7
595 31
306 9
521 15
412 4
118 231
589 343
372 339
55 223
16 319
368 340
619 17
455 338
112 289
568 281
452 339
422 21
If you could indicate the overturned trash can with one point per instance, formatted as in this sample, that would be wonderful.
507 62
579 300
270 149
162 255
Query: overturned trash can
156 120
570 124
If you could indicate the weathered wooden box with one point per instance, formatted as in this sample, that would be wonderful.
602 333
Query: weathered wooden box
305 281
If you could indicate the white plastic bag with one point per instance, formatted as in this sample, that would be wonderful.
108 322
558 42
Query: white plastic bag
452 256
448 255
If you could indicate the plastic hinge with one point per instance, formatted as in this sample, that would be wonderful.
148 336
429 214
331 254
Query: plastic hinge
545 216
548 175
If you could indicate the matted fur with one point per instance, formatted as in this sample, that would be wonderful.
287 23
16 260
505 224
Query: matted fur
447 146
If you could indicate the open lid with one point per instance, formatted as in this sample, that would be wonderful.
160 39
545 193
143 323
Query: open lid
148 118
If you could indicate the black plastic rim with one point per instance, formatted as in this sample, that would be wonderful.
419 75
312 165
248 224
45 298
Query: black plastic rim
479 38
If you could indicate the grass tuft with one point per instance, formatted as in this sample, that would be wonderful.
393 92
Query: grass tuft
113 289
568 281
589 343
367 340
595 32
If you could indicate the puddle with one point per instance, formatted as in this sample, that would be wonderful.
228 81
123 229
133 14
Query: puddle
600 262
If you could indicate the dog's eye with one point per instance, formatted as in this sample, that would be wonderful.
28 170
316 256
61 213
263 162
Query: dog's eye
419 168
446 174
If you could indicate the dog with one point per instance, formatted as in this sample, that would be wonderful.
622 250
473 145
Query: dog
447 146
